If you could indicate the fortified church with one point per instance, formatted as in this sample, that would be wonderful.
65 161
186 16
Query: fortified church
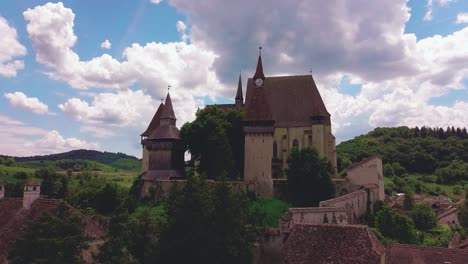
281 113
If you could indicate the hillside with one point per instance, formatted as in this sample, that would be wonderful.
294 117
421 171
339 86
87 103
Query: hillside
117 160
427 151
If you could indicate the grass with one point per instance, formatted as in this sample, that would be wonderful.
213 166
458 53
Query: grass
271 209
429 185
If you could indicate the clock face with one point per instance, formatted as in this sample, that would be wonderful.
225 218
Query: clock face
258 82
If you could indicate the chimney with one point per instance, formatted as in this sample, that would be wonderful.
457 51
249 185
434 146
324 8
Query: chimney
2 190
32 191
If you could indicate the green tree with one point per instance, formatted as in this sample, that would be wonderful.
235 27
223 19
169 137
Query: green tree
309 178
215 139
209 224
408 200
56 237
388 170
2 161
107 199
404 231
398 169
9 162
423 217
53 184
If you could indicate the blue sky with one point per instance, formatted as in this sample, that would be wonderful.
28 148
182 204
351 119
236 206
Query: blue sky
387 63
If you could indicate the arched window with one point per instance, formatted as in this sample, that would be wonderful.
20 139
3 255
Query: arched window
295 143
275 150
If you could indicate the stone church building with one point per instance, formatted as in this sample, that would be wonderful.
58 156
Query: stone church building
281 113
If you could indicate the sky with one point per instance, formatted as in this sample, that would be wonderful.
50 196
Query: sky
89 74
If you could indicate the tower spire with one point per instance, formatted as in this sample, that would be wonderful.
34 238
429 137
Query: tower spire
239 95
259 71
168 112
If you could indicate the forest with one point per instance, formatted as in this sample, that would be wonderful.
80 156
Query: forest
426 151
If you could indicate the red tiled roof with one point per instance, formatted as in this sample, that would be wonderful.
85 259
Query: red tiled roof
225 106
332 244
290 101
13 218
406 254
32 183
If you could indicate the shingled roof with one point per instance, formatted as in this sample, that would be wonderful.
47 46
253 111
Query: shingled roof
332 244
406 254
13 219
291 101
166 128
154 122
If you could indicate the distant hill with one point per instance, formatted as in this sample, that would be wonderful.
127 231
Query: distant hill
418 150
118 160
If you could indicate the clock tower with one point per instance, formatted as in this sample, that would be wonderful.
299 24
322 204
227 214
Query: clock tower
259 77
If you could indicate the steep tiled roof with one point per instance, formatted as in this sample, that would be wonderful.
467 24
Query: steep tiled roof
292 100
166 132
13 218
332 244
406 254
154 122
257 107
32 183
168 111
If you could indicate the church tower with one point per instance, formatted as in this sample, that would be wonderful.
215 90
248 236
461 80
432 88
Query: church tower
163 146
239 95
258 129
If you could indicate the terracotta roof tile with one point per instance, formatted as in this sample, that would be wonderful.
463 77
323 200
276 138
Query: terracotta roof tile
13 218
32 183
332 244
406 254
293 100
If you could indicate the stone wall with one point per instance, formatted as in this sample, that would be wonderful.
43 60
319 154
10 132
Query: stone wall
355 202
314 215
161 188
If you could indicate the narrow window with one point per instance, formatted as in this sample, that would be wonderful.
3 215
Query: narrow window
309 139
295 143
275 150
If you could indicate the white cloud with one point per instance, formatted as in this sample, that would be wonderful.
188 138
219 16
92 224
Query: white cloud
121 109
444 2
430 7
462 18
10 48
154 65
20 139
20 100
364 40
106 44
181 27
428 14
53 142
156 1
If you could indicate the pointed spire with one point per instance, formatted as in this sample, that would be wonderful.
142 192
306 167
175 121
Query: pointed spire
168 112
259 71
239 95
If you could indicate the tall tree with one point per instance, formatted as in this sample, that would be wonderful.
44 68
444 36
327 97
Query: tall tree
215 139
209 224
309 179
423 217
